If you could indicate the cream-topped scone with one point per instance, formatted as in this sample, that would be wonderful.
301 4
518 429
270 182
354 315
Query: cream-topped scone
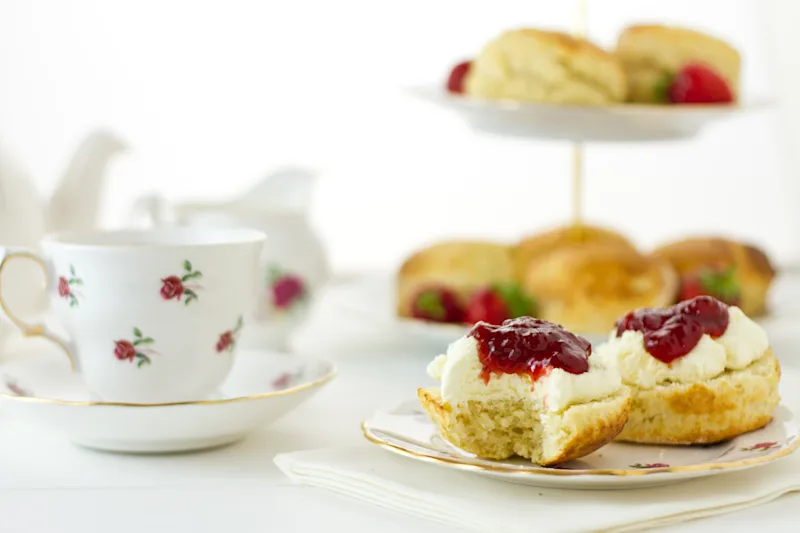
527 387
699 372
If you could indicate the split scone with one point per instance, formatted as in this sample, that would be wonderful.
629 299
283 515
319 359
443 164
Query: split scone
461 282
665 64
528 388
545 66
586 288
699 372
534 247
737 273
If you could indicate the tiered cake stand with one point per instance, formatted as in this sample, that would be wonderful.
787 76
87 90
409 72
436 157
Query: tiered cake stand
578 125
628 123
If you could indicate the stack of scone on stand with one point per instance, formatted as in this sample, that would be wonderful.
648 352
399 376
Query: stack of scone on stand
697 372
583 277
652 64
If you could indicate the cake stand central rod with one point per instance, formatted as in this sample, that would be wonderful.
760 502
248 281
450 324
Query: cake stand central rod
577 147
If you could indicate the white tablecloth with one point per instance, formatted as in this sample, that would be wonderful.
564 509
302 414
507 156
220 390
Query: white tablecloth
49 485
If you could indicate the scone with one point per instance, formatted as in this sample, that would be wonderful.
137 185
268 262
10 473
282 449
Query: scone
586 288
666 64
545 66
525 388
735 272
461 282
536 246
699 372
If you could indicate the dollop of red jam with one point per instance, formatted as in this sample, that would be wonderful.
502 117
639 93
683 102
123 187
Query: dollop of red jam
529 346
672 332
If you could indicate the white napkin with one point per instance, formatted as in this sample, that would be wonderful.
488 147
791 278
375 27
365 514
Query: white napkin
475 503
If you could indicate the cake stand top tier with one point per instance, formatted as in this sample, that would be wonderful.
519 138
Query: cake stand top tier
611 123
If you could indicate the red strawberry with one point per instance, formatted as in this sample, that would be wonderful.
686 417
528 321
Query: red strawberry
499 303
696 83
438 305
487 306
455 82
720 284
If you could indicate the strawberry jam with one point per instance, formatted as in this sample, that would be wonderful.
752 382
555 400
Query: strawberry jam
674 331
529 346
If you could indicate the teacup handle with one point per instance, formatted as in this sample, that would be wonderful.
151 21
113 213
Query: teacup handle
30 330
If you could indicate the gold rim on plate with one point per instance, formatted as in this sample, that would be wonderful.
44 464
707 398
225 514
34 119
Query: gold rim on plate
599 472
311 384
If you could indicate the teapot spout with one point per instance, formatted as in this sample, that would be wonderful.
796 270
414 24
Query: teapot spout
75 205
21 220
287 189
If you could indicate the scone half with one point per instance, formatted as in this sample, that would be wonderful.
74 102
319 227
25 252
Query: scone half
543 66
500 430
699 372
706 412
652 53
526 388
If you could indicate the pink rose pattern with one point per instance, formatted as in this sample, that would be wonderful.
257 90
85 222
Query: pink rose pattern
137 350
285 380
15 388
227 339
760 447
286 289
174 287
66 287
649 465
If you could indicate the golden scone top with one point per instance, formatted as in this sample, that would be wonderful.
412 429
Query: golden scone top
545 66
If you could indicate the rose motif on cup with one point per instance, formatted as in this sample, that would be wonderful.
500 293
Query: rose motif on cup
286 289
137 350
66 287
174 287
227 339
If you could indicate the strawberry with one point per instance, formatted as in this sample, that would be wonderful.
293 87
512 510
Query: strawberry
487 306
720 284
455 82
498 303
438 305
696 83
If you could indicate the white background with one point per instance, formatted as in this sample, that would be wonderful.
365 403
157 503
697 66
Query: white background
212 95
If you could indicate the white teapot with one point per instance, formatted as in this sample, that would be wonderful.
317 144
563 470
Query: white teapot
25 216
294 262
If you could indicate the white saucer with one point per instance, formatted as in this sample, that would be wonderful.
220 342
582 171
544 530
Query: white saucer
262 388
406 430
613 123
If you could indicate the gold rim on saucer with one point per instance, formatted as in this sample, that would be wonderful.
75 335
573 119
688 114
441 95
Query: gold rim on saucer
793 445
291 390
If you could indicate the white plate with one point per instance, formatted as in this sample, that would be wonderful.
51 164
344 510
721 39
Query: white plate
372 301
262 388
613 123
406 430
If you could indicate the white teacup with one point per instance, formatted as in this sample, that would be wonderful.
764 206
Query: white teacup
152 316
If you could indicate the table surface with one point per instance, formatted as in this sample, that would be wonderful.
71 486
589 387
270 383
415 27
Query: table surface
49 485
